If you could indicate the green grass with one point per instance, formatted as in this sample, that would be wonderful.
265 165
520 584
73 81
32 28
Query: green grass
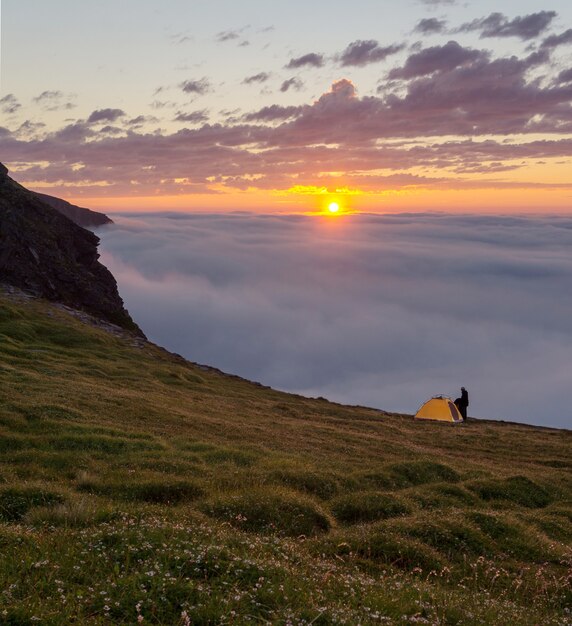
137 488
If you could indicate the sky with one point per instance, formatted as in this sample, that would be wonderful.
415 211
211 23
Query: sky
377 310
217 105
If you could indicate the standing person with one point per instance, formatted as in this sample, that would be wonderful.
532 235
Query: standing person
462 403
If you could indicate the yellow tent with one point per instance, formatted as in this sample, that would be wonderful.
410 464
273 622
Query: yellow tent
441 409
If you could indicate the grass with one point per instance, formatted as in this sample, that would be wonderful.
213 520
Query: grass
138 488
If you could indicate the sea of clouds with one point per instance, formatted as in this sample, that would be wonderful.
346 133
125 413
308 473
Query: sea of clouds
377 310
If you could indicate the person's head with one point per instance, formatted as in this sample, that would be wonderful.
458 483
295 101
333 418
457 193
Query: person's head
463 389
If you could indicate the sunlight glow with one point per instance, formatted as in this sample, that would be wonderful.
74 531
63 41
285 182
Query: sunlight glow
333 207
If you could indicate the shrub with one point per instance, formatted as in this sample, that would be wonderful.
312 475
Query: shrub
78 514
270 512
155 492
509 537
16 502
367 506
441 496
102 444
555 527
517 489
379 480
380 544
421 472
236 457
452 538
310 481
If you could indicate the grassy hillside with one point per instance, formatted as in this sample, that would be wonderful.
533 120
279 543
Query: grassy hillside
138 488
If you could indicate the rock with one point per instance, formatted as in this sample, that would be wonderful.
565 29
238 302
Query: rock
82 217
47 254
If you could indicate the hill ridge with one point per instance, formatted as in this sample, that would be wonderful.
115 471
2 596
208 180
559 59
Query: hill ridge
43 251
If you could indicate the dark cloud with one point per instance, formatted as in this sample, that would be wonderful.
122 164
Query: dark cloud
384 311
30 130
162 104
198 87
140 120
262 77
498 25
9 104
565 76
360 53
54 101
105 115
562 39
436 3
73 134
48 95
111 130
437 58
291 83
430 26
312 59
180 38
273 113
228 35
195 117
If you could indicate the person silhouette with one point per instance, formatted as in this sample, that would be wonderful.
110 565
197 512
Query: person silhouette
462 403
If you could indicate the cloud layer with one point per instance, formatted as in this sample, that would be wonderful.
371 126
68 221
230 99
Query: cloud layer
378 310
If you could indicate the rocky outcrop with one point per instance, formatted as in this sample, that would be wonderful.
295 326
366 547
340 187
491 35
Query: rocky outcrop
44 252
82 217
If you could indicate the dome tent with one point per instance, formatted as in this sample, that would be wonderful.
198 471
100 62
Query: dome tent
440 409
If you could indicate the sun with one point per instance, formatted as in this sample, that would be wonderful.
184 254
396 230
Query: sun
333 207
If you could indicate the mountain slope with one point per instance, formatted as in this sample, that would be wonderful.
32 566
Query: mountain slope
45 252
86 218
163 490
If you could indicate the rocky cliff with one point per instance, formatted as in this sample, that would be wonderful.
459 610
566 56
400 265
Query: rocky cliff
82 217
44 252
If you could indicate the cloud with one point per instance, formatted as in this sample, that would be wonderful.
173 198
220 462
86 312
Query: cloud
291 83
312 59
498 25
30 130
565 76
9 104
262 77
199 87
105 115
436 3
430 26
48 95
140 120
273 113
181 38
228 35
562 39
437 58
384 311
195 117
54 101
360 53
448 92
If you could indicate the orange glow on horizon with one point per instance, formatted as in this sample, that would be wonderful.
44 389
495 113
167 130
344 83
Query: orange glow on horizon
487 200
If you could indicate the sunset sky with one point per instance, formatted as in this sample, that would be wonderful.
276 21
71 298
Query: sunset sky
379 105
